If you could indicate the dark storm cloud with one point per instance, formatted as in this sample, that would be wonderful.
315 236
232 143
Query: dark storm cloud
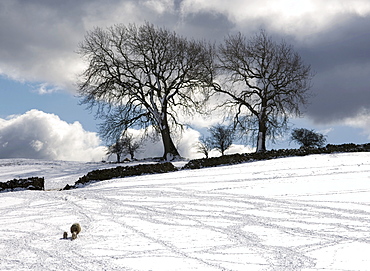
206 25
332 36
39 38
341 59
347 42
24 24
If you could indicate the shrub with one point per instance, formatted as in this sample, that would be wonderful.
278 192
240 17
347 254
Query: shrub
308 138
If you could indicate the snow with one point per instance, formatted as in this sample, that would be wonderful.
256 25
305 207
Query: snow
302 213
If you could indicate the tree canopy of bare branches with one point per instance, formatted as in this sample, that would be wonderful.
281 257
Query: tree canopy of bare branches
265 82
308 138
221 137
125 145
204 145
141 76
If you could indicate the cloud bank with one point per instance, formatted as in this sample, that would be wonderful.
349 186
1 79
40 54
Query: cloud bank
333 36
361 121
300 18
39 135
43 36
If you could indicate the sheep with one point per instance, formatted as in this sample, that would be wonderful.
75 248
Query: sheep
75 229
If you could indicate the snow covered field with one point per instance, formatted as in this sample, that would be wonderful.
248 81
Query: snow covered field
303 213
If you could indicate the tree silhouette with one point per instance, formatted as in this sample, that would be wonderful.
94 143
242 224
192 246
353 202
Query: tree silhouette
266 82
221 137
308 138
143 76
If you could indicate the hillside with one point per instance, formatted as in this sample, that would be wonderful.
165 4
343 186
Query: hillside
297 213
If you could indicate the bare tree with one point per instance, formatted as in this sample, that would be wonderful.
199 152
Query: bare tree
125 145
221 137
308 138
204 145
142 76
131 145
266 82
116 148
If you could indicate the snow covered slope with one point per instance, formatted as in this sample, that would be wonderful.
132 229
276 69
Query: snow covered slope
303 213
57 174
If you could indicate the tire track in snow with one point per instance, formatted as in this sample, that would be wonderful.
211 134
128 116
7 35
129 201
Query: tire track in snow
113 209
164 212
31 244
293 211
204 219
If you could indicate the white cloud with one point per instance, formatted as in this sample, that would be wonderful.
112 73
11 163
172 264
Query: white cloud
239 149
300 18
326 131
160 6
39 135
361 121
45 88
186 143
36 134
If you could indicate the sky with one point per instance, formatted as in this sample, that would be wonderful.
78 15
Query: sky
39 66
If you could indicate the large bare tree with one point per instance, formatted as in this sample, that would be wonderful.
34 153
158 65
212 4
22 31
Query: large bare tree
143 76
265 84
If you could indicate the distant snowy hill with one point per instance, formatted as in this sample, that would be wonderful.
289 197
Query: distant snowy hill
301 213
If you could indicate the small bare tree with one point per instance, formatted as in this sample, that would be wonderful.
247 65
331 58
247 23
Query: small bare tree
266 82
204 145
125 145
308 138
131 145
221 137
143 76
116 148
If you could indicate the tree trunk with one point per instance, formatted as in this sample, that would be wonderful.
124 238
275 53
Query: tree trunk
170 150
118 158
261 138
261 142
